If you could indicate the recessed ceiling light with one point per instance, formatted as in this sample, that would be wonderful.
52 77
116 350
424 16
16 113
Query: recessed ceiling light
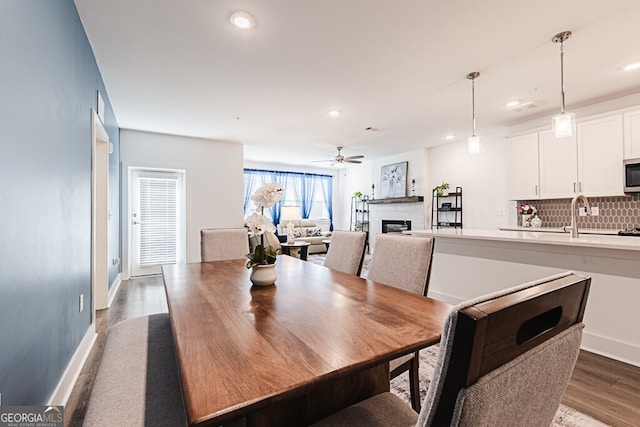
633 66
449 137
512 104
242 20
334 113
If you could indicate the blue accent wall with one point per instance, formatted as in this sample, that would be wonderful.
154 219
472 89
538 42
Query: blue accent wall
48 85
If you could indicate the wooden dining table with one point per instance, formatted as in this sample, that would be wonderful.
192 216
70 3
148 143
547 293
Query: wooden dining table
291 353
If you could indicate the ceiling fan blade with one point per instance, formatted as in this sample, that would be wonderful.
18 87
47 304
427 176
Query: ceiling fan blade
352 161
356 157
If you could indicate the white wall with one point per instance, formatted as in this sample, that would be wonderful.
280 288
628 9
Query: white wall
214 182
483 178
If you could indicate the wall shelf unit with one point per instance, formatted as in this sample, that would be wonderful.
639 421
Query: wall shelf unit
446 210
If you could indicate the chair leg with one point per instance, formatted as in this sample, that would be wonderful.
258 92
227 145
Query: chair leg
414 382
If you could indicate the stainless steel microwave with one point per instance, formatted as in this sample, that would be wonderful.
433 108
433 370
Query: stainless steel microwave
632 176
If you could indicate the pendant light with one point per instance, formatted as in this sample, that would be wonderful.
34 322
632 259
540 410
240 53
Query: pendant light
474 140
563 124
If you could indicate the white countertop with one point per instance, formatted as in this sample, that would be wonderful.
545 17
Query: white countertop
605 231
630 243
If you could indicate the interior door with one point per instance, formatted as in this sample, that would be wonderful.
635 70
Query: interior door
157 220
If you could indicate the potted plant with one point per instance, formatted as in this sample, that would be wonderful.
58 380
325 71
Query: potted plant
357 194
442 189
263 258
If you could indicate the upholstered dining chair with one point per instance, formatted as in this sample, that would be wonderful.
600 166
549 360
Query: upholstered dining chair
505 360
346 251
217 244
403 262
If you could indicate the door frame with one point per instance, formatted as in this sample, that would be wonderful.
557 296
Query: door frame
100 148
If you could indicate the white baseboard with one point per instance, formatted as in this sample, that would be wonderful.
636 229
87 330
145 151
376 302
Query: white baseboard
63 390
611 348
113 290
448 298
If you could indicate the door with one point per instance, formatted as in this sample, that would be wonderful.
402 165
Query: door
157 220
558 166
523 167
600 153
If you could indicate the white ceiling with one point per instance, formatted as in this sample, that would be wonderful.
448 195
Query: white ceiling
179 67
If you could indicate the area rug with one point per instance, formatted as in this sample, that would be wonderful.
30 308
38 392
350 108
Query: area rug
565 417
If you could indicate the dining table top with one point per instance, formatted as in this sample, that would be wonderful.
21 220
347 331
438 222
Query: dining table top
241 348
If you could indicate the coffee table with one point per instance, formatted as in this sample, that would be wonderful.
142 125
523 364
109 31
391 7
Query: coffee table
303 246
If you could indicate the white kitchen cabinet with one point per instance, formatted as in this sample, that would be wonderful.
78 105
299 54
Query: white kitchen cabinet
523 167
558 166
632 134
600 152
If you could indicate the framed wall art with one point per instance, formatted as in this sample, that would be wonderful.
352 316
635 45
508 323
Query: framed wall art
393 180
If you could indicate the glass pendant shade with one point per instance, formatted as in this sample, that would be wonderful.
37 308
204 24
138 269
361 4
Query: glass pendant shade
563 125
474 145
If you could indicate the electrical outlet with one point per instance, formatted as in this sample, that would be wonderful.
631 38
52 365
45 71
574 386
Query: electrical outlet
582 211
501 212
595 211
81 302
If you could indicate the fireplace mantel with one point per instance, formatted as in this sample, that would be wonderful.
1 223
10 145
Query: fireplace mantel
411 199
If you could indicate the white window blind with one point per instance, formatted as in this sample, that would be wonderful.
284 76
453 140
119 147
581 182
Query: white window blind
158 221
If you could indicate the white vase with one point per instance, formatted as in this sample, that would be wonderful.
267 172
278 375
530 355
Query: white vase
526 218
263 275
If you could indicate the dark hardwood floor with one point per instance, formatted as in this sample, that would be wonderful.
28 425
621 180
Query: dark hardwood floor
603 388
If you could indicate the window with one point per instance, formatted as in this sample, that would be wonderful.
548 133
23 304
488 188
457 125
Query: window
312 192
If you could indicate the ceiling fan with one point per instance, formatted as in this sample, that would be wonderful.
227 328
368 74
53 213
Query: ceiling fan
339 159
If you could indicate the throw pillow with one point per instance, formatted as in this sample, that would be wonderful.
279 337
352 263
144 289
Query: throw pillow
313 232
297 233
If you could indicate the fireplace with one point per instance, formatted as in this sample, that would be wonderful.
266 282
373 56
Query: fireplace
395 225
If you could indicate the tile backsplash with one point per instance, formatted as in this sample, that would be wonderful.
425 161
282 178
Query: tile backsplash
617 212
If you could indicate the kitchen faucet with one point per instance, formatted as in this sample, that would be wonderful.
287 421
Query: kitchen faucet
574 216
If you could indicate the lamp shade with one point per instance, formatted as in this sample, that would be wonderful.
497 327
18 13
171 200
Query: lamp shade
563 125
474 145
289 213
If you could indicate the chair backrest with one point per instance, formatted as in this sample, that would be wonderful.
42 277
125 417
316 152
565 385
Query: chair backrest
402 262
346 251
506 358
217 244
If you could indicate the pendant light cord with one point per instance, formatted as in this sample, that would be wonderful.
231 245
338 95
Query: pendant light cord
562 75
473 105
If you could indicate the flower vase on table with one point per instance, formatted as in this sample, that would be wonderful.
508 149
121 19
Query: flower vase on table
262 260
263 274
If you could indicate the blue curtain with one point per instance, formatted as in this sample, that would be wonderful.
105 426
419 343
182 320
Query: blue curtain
296 185
280 178
308 193
327 192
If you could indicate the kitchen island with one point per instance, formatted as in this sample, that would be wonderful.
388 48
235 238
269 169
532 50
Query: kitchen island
469 263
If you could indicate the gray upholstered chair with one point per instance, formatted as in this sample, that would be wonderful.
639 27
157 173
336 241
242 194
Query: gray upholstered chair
346 251
404 262
217 244
505 360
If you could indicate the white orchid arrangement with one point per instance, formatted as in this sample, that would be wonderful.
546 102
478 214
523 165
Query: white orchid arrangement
264 197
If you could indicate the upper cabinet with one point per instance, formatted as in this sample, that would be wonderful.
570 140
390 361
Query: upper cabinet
600 152
523 167
543 167
632 134
558 166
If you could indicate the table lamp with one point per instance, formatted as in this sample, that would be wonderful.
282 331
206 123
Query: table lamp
287 214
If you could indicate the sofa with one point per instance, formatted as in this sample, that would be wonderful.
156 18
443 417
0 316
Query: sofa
306 230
